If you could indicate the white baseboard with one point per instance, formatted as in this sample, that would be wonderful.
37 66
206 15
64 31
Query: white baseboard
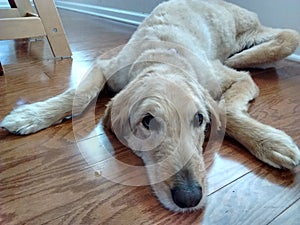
294 57
110 13
4 5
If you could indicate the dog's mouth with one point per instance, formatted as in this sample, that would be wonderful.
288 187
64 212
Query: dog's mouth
183 197
182 192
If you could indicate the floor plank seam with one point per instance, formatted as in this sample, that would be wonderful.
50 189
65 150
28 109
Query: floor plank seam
282 212
229 183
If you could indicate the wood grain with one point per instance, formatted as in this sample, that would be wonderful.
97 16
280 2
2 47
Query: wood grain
291 216
60 175
21 28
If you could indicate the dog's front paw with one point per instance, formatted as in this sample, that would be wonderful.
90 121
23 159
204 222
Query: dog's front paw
279 150
28 119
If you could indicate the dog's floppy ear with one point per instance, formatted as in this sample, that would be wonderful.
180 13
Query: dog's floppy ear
212 107
116 118
214 111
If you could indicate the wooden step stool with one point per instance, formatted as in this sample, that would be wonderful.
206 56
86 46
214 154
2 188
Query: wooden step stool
21 21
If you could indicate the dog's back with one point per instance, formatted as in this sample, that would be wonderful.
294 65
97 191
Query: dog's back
204 26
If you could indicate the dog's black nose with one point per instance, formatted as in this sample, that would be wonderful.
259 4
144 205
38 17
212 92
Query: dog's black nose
186 195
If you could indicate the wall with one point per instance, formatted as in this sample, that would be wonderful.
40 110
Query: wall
4 4
142 6
274 13
129 11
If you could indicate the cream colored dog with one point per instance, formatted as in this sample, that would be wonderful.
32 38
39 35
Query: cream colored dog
174 77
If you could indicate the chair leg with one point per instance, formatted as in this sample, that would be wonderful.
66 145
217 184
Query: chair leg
1 70
12 4
24 7
53 27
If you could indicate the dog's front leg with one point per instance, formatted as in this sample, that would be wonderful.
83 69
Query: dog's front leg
268 144
31 118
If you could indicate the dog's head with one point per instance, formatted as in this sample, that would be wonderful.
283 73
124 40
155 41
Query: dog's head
163 120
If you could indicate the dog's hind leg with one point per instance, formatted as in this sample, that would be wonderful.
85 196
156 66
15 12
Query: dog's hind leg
31 118
263 45
268 144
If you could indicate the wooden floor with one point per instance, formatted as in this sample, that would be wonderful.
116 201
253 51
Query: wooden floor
54 176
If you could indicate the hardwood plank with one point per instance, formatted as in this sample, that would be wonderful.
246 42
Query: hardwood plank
291 216
278 105
40 182
21 51
229 164
256 198
59 221
234 205
54 170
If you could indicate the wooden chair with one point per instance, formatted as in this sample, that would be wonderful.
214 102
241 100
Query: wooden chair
21 21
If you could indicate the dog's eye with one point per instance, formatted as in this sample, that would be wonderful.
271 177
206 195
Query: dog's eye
146 120
198 120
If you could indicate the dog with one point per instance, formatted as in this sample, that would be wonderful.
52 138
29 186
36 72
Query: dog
177 74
